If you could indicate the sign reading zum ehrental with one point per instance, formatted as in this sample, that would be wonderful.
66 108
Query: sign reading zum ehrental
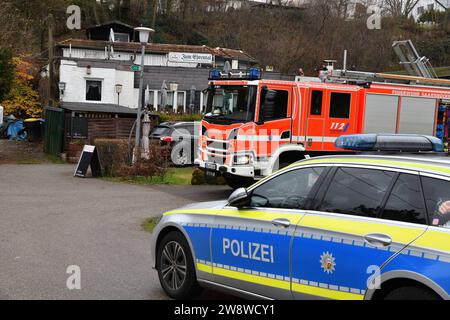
181 57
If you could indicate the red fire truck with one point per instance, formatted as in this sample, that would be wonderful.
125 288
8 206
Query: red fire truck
253 127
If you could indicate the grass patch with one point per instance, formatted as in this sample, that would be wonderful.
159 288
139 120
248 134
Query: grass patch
174 176
28 162
45 159
54 159
150 224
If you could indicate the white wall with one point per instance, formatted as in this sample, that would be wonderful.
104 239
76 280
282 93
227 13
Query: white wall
75 78
161 60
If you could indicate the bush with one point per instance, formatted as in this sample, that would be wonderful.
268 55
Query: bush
200 178
155 166
116 162
171 117
113 155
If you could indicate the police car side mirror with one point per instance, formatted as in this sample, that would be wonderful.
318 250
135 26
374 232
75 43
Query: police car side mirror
239 198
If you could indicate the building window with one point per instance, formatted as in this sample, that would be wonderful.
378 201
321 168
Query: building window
151 101
181 97
122 37
431 7
420 10
93 90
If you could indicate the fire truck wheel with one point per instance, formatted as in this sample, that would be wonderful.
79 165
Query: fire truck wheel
237 182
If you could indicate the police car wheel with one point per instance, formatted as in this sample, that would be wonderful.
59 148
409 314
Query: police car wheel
176 268
411 293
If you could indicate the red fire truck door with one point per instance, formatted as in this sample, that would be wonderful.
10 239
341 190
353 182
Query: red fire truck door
315 122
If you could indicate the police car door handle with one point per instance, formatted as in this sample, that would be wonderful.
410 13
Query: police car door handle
282 223
378 240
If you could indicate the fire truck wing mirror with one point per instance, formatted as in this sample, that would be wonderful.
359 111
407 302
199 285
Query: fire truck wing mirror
264 91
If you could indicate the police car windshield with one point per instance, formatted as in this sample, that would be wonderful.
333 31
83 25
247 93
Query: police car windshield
231 104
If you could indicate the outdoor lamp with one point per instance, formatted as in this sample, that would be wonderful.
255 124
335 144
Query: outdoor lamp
119 88
62 87
144 34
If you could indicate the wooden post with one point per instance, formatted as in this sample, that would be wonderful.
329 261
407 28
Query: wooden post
51 56
154 13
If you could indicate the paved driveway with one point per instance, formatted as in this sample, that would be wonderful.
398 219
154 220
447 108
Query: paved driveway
49 221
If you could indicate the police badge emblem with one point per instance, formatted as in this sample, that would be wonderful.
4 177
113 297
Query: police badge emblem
328 263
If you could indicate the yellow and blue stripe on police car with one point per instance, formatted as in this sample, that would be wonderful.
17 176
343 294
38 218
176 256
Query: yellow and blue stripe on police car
320 262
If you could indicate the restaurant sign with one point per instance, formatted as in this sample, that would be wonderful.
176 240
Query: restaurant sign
180 57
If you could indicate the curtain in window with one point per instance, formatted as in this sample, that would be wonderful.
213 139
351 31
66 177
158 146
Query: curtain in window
180 98
151 100
94 90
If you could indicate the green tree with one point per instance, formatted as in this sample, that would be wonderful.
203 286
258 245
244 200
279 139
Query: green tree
6 72
22 100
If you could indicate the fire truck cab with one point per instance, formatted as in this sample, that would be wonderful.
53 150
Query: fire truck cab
253 127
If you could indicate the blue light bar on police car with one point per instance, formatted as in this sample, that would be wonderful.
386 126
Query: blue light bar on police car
390 142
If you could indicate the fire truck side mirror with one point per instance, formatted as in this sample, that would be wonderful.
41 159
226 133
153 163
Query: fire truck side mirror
264 91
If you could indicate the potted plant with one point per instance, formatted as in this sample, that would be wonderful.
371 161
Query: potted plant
74 150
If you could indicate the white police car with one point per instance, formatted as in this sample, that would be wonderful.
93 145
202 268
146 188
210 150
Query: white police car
339 227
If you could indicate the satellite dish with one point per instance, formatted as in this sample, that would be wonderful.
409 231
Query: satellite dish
112 37
227 67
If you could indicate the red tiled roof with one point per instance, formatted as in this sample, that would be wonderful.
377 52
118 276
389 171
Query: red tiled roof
158 48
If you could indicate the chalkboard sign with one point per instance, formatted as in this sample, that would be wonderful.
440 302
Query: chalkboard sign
89 158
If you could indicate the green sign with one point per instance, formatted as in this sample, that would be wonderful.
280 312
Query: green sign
135 68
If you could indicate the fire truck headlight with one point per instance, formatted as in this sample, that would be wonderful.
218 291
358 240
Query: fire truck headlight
242 160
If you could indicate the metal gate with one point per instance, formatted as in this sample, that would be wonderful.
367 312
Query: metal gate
54 130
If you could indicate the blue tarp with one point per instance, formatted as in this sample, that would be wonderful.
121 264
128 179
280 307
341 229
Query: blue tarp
16 131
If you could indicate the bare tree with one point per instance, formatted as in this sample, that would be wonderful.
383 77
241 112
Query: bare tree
399 8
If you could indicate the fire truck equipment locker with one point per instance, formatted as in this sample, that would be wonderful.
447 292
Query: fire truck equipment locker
381 113
418 116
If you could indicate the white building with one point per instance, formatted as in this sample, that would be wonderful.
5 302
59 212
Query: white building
236 4
90 70
416 8
348 7
429 5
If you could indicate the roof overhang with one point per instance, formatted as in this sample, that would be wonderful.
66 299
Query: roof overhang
97 108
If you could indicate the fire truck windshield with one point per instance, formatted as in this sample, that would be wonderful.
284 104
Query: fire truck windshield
231 104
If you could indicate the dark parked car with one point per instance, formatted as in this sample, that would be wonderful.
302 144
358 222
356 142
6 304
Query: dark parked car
182 137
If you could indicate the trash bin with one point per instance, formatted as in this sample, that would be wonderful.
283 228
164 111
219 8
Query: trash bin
35 129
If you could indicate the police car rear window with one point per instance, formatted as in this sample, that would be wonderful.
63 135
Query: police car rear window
405 202
437 197
357 192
